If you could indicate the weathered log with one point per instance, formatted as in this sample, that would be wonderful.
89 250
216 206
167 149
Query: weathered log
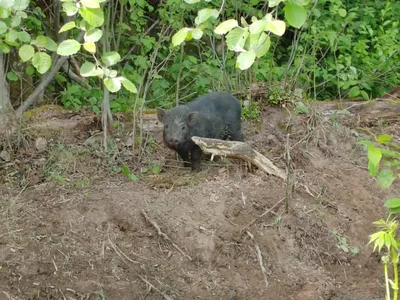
239 150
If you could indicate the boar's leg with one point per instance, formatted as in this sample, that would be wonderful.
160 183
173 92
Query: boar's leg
184 154
195 156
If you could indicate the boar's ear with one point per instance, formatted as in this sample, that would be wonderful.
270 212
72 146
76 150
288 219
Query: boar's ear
192 116
161 114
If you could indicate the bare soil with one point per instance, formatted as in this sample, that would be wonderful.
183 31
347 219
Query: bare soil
73 228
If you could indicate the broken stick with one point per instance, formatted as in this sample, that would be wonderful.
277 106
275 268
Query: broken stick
240 150
162 234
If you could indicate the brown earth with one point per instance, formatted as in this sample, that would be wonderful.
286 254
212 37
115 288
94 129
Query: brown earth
71 228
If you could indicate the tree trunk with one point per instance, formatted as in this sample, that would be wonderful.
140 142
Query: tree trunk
8 121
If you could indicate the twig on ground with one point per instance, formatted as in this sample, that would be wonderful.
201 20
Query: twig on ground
153 287
262 215
162 234
288 174
119 252
259 258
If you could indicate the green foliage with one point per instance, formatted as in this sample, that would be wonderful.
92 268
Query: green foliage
349 49
252 111
388 155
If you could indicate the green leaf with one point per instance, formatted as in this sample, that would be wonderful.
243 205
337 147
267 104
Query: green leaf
374 157
21 4
110 58
7 4
364 95
257 27
94 16
67 26
277 27
11 76
300 2
30 71
204 14
192 1
385 178
273 3
50 44
384 138
3 27
88 69
226 26
128 85
354 92
90 3
197 33
41 41
70 8
93 35
68 47
156 169
392 203
342 12
11 36
245 60
112 84
263 46
15 21
295 14
180 36
21 14
236 38
24 37
90 47
41 61
26 52
4 48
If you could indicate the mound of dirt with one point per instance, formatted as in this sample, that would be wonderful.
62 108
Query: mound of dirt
221 234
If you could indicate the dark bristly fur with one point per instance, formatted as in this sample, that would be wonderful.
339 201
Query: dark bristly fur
213 115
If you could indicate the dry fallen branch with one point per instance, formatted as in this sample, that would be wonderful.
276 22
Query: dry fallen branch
259 258
162 234
240 150
154 288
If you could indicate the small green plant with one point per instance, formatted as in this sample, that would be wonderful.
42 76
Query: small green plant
252 111
301 108
127 172
388 155
276 95
344 244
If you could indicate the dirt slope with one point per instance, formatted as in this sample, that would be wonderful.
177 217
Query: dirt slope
64 242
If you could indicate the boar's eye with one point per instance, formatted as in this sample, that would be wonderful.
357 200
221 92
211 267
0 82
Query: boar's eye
166 126
183 127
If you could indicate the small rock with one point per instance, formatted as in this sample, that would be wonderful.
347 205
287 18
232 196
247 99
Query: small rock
5 155
246 103
41 144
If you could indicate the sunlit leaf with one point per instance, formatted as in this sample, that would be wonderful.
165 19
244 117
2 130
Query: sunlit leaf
3 27
26 52
110 58
245 60
24 37
384 138
257 27
180 36
68 47
385 178
204 14
236 38
41 61
277 27
225 26
90 47
128 85
67 26
94 16
112 84
295 14
90 3
93 35
197 33
374 157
